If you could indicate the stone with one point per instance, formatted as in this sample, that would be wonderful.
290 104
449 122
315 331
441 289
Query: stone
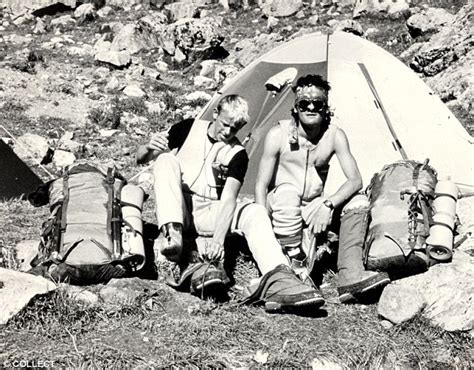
40 27
272 22
113 85
85 12
225 72
249 49
445 291
194 38
348 25
80 294
129 38
198 96
155 107
313 20
378 6
107 132
399 305
208 67
31 146
18 290
428 21
280 8
114 58
204 82
62 158
26 250
105 11
387 325
181 9
320 363
161 66
66 143
63 22
134 91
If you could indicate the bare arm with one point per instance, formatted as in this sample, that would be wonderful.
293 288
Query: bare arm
224 217
266 168
157 144
321 217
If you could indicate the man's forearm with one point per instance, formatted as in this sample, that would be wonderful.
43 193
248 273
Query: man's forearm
224 219
260 194
144 154
348 189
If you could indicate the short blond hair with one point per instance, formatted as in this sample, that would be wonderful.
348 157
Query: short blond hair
236 106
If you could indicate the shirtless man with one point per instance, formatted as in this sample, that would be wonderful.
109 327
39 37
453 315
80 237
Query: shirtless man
291 179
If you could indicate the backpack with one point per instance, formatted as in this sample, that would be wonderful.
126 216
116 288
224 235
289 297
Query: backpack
81 241
400 216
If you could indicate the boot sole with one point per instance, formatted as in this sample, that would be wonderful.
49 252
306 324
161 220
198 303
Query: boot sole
208 283
275 307
349 297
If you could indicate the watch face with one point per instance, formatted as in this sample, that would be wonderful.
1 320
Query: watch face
328 204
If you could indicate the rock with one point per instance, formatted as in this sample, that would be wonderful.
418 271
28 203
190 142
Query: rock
113 85
446 290
31 145
40 27
208 67
84 51
194 38
66 143
198 96
85 12
179 56
17 7
115 58
107 132
247 50
134 91
80 294
272 22
409 53
313 20
280 8
320 363
399 305
129 38
387 325
161 66
428 21
63 158
181 9
155 107
26 250
348 25
447 46
63 22
204 82
378 6
17 291
105 11
300 15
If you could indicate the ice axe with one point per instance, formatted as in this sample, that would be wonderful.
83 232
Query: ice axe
278 83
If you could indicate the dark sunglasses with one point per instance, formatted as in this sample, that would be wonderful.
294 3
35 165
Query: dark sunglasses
318 105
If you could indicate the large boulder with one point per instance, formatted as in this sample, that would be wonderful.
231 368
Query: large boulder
117 59
142 35
428 21
193 38
378 6
444 295
184 9
17 289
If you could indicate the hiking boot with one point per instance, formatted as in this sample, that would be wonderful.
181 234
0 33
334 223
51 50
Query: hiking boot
350 292
207 276
281 290
173 246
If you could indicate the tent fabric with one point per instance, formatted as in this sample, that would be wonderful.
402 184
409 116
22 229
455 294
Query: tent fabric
16 178
386 110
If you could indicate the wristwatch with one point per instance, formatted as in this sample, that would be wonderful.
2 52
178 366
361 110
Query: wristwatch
328 203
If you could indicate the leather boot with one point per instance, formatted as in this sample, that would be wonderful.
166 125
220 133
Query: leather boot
172 248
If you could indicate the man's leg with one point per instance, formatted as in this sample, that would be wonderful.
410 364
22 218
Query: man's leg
280 288
284 204
353 279
170 205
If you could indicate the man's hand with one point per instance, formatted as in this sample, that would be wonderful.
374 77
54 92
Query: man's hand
214 251
321 219
158 142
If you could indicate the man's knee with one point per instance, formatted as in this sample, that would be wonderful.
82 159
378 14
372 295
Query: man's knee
287 194
164 162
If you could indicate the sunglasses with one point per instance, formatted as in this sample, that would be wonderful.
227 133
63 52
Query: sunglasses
317 105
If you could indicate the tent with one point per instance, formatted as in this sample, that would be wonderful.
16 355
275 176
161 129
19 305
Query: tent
386 110
16 177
